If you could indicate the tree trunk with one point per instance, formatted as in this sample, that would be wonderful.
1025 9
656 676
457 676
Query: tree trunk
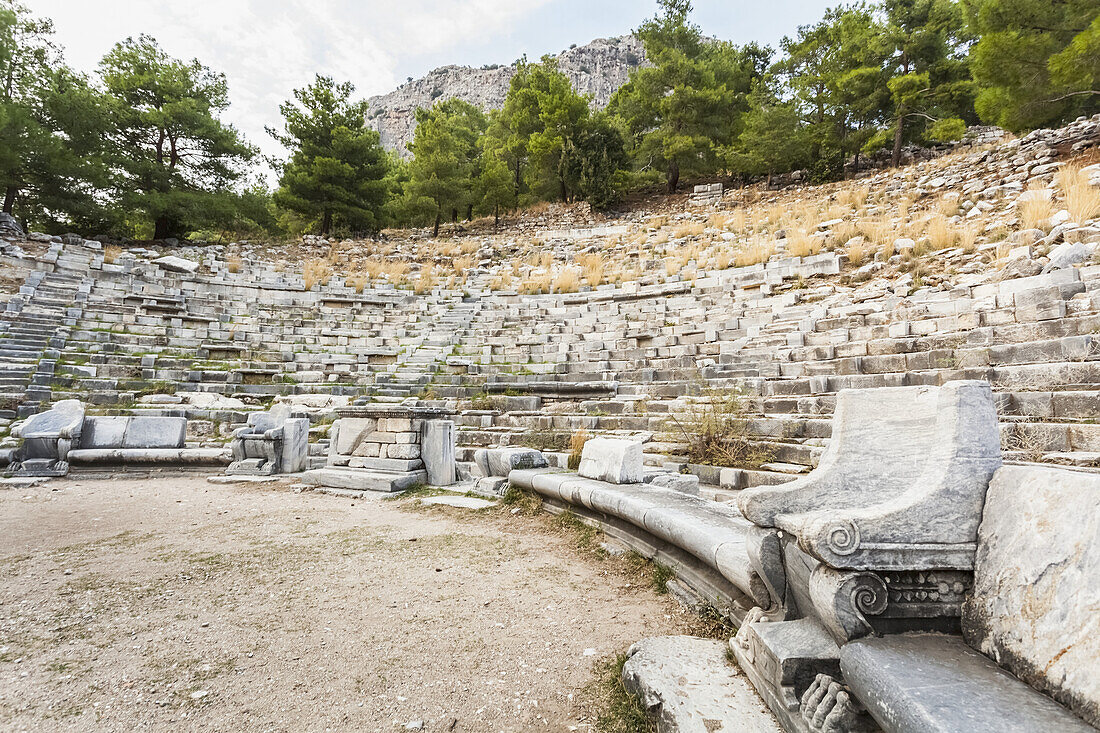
496 216
564 191
898 133
469 212
673 176
160 227
326 223
9 198
438 217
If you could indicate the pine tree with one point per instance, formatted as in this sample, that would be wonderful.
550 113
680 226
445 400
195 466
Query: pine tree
176 160
337 171
1036 62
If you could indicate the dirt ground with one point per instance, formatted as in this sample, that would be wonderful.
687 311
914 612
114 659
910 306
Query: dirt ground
171 603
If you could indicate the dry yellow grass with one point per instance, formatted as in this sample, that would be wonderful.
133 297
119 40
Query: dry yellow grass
233 263
461 265
358 280
425 281
888 248
1082 200
939 233
111 253
801 243
877 231
948 205
537 282
503 281
567 281
316 272
688 229
738 221
905 203
661 238
854 197
718 221
857 251
757 251
844 231
593 266
1035 210
657 222
968 235
722 260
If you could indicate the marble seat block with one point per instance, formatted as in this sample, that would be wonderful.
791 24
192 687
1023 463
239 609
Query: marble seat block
613 460
46 439
272 442
1035 608
934 683
502 461
901 485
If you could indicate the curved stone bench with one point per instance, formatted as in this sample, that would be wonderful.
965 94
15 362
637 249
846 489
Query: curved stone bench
151 456
712 533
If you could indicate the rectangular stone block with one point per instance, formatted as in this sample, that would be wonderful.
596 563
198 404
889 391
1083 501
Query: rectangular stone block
613 460
437 450
350 432
402 450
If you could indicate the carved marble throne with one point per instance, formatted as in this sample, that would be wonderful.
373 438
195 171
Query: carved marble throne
879 538
272 442
46 439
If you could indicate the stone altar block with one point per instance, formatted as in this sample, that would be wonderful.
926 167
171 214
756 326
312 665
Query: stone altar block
379 447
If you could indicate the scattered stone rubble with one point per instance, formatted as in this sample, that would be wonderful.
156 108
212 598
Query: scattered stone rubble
880 525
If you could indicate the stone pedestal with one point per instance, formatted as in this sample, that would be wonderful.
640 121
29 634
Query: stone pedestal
379 447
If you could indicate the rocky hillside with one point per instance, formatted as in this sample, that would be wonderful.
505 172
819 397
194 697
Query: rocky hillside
596 69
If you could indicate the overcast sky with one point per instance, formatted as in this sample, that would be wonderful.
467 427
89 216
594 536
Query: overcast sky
266 48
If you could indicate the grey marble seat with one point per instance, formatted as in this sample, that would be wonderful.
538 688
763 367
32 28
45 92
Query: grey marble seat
272 442
934 683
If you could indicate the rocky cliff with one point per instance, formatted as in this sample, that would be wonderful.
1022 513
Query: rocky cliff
596 69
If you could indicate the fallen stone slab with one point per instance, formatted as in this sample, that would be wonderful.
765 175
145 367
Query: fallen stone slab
176 264
152 456
359 480
243 479
460 502
688 685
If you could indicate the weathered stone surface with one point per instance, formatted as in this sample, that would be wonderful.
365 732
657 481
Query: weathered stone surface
9 227
152 456
1036 603
363 479
437 450
176 264
351 432
901 484
460 502
502 461
932 683
686 483
689 686
613 460
155 432
64 418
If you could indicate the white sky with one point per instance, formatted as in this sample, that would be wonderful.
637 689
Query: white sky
266 48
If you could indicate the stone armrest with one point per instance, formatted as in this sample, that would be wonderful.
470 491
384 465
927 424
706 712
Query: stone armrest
251 434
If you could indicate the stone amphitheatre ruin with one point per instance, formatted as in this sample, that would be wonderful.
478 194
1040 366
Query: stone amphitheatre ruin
910 539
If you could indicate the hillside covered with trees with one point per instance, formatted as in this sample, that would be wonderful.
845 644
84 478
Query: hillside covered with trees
139 148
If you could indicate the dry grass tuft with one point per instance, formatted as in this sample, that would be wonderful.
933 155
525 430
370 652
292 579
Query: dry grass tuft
358 280
801 243
567 281
877 231
462 265
1035 210
688 229
426 281
233 263
854 197
593 266
968 235
857 251
1082 200
111 253
316 272
939 232
759 250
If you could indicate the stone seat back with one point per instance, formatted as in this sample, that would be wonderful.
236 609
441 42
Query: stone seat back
900 485
133 432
